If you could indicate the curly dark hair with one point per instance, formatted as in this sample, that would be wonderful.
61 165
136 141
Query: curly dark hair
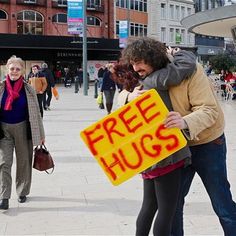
124 75
151 51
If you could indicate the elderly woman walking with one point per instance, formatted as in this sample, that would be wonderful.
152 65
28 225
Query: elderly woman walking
21 129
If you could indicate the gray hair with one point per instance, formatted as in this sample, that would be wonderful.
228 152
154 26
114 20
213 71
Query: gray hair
15 59
44 65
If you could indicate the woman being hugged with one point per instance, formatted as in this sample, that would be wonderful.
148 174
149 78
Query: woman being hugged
21 129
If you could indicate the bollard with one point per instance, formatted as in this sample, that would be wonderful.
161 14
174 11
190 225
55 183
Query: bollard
96 88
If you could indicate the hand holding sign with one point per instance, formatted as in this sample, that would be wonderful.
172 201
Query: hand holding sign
133 138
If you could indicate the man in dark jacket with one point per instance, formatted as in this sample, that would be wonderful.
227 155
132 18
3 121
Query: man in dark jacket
101 72
78 79
47 97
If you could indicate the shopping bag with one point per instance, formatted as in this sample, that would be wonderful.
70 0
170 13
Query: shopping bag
100 101
55 93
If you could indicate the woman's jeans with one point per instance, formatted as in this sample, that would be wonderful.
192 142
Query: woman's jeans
209 161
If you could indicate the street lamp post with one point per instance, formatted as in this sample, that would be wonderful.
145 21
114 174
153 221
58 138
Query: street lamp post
85 77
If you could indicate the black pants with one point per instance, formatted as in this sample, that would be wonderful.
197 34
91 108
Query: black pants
40 101
160 194
47 97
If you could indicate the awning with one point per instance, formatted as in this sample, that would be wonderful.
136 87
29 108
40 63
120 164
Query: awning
215 22
56 42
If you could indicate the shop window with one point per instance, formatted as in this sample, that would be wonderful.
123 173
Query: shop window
3 15
60 18
30 22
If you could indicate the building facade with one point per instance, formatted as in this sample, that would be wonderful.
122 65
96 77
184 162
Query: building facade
37 31
164 22
136 13
208 45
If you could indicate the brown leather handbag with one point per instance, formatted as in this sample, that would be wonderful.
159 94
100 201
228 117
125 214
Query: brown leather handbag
42 159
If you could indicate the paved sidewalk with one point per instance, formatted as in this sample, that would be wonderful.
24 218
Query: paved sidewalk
78 199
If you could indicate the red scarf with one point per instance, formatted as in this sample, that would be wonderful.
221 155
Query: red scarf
12 93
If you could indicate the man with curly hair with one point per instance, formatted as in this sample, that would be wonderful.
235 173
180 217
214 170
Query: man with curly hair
195 111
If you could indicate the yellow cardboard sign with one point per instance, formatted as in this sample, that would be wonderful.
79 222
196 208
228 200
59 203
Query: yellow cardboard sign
133 138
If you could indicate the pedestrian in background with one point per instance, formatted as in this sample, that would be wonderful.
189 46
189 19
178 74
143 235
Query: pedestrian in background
68 77
39 83
208 69
47 96
100 75
108 88
78 79
199 113
21 129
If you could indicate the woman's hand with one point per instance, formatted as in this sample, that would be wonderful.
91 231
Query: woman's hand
42 141
175 120
136 93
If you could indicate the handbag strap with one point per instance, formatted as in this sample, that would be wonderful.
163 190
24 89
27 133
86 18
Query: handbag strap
41 146
49 173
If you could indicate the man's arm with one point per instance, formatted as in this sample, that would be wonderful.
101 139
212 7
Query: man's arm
196 103
182 66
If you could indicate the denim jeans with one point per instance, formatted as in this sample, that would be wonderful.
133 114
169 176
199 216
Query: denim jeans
209 162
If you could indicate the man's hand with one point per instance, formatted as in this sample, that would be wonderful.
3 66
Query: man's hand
174 120
136 93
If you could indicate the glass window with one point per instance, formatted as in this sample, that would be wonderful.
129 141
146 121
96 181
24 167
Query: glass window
132 29
145 30
182 12
117 28
30 15
93 3
138 30
91 20
3 15
137 5
189 38
163 10
140 5
172 12
62 2
29 22
131 4
183 36
60 18
171 35
177 12
163 34
145 5
20 16
189 11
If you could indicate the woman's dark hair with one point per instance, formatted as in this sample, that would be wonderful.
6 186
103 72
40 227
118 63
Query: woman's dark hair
124 75
36 66
151 51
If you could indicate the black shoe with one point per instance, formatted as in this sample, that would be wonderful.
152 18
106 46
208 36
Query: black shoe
4 204
22 199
